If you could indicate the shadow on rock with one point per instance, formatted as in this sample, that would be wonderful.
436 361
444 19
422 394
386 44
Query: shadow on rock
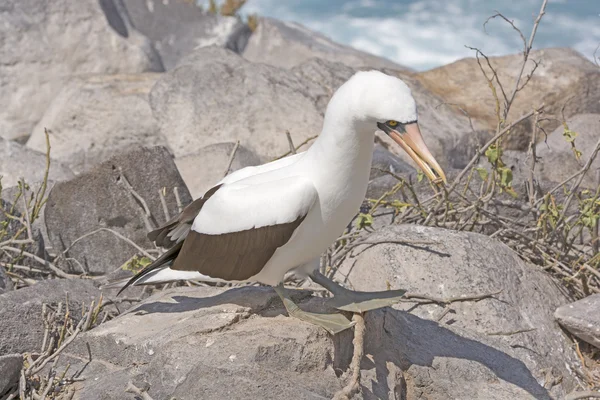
426 352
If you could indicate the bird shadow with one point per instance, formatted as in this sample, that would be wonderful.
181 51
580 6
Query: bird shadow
391 336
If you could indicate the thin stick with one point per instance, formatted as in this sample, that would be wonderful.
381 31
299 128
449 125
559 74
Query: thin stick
449 300
163 202
53 267
140 199
131 388
115 233
353 386
528 50
231 157
575 186
290 142
583 395
531 152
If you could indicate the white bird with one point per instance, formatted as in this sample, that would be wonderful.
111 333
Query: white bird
260 223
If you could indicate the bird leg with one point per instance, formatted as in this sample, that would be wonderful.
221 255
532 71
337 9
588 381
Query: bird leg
350 300
333 323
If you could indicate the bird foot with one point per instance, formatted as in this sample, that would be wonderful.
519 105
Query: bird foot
332 323
365 301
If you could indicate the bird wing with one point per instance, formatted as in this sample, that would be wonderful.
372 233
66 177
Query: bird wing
176 230
242 224
234 229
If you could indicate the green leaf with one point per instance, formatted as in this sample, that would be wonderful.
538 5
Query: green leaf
136 263
493 154
483 173
364 220
420 175
569 135
506 176
399 205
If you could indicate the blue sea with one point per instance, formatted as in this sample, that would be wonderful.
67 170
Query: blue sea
423 34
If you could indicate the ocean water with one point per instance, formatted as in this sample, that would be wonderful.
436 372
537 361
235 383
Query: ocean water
423 34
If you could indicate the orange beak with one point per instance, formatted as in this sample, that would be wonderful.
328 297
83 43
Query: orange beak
409 137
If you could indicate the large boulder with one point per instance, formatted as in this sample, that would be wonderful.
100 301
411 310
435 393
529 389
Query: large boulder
177 27
202 170
210 343
216 96
557 158
287 44
95 117
101 198
225 98
459 264
563 76
10 371
5 282
46 42
18 161
22 327
582 319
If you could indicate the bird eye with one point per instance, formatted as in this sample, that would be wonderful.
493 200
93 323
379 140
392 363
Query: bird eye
392 123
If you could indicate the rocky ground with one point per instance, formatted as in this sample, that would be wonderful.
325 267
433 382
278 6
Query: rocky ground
145 104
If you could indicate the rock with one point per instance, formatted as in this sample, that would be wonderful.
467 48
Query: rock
384 160
177 27
582 319
287 44
558 161
21 335
11 201
226 98
322 79
100 199
462 264
95 117
211 343
563 76
45 43
5 284
198 103
10 370
18 161
202 170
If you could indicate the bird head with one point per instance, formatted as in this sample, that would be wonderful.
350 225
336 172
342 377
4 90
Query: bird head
386 102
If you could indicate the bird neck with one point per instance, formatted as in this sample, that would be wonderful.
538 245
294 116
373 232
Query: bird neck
344 149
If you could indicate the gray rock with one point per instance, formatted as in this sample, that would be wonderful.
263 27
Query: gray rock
211 343
18 161
322 78
5 282
225 98
45 43
582 318
287 44
558 161
10 370
202 170
461 264
177 27
100 199
215 96
384 160
95 117
11 200
562 74
22 327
